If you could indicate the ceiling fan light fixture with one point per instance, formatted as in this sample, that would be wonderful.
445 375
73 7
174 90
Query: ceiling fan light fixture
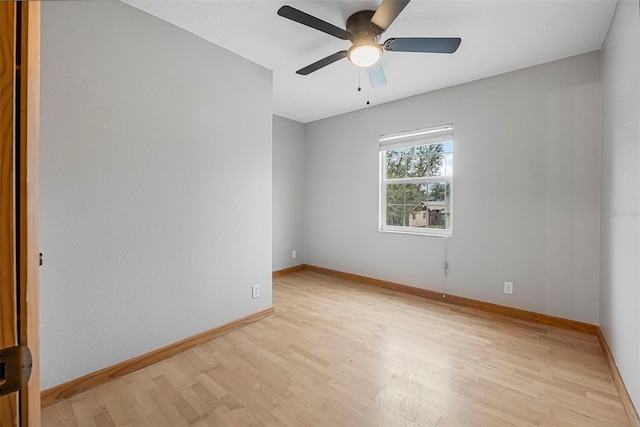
364 55
363 30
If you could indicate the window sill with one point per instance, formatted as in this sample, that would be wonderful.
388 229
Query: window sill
417 232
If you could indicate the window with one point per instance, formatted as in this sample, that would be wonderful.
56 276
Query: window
416 181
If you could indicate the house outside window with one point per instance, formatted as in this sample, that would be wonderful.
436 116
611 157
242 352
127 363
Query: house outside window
416 181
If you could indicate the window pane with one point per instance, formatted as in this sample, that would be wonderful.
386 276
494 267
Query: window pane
395 194
436 165
448 164
420 162
439 206
396 211
396 163
437 192
447 147
418 216
437 219
416 194
416 161
396 215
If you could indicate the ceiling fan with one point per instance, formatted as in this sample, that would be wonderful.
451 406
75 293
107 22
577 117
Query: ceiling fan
363 31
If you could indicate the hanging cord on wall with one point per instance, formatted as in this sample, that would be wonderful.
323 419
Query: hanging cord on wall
446 269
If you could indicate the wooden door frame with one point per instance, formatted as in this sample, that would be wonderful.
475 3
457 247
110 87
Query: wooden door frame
29 257
19 154
8 279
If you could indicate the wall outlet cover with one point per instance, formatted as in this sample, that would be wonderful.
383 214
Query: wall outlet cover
255 291
508 288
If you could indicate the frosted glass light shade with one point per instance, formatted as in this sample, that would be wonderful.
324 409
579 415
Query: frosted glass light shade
364 55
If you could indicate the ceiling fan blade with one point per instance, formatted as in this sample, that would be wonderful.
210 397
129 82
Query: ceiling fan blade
376 75
313 22
387 12
423 44
322 63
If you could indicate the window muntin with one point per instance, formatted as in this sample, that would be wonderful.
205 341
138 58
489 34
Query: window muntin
416 174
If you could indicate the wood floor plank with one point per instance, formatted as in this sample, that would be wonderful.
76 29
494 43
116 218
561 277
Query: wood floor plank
340 353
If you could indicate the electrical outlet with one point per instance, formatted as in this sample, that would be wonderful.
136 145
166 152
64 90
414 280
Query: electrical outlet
255 291
508 288
293 254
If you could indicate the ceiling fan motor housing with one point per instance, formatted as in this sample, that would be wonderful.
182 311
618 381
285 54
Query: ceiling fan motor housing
360 26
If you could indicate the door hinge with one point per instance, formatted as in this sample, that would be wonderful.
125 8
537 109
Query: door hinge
15 368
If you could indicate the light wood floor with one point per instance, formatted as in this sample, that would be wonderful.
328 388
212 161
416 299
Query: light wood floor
340 353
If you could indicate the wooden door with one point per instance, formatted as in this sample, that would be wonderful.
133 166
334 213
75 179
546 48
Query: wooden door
19 133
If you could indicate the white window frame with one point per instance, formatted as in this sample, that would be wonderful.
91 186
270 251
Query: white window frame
413 138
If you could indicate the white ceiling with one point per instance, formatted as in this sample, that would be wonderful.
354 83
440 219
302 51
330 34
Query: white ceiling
497 37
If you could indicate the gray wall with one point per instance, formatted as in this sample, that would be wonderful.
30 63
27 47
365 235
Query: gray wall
288 192
155 186
620 244
526 191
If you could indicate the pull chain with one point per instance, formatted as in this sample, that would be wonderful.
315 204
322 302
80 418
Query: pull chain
360 86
